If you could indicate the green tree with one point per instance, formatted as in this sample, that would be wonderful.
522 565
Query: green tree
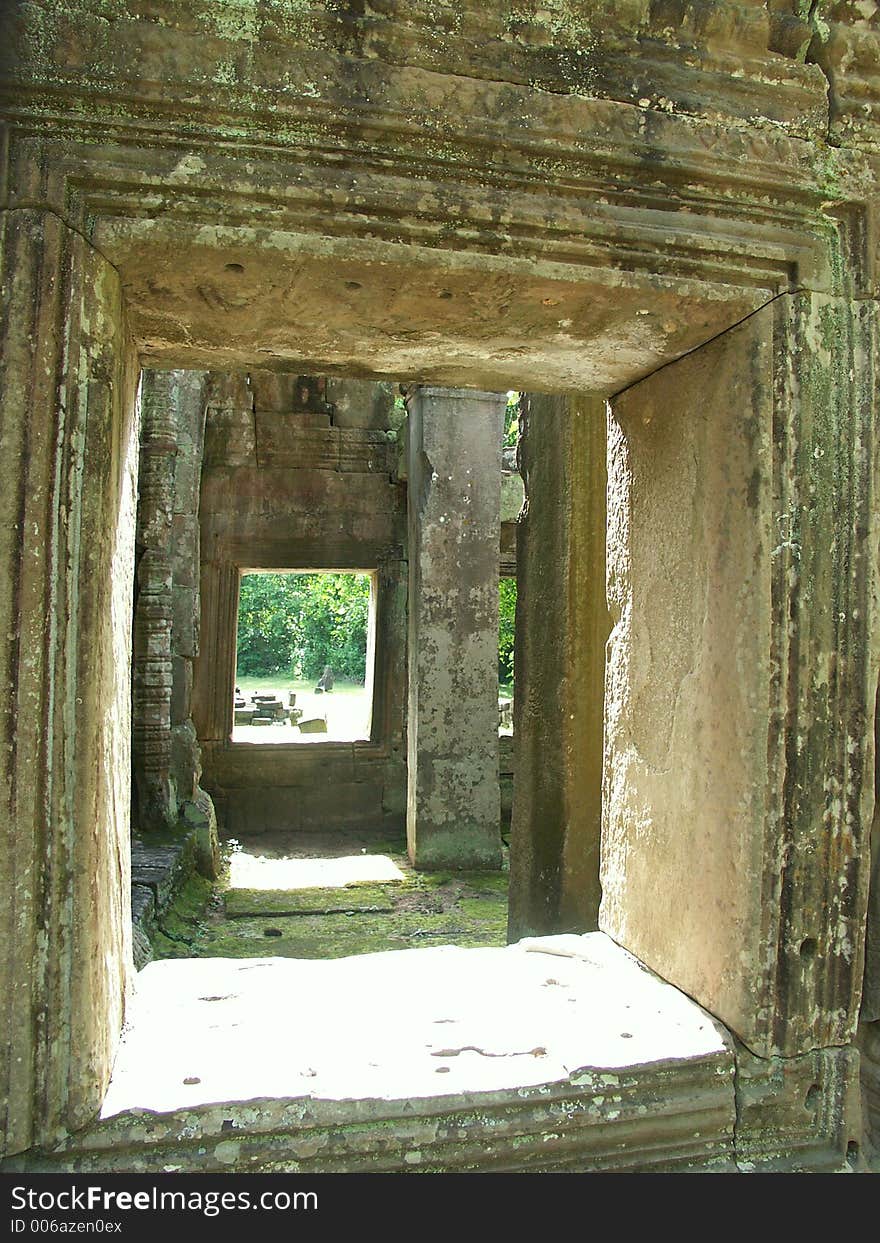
294 624
511 420
506 627
268 630
333 625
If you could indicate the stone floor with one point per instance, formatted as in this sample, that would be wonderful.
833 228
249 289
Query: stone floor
281 1034
286 1036
559 1053
429 1022
329 896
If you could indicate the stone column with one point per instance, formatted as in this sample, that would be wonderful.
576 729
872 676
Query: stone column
167 760
230 443
454 492
68 376
562 625
151 672
185 566
214 665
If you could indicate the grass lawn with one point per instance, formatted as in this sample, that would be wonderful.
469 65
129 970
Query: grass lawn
347 709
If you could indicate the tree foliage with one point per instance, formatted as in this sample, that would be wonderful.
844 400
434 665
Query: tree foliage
511 420
506 623
295 624
292 625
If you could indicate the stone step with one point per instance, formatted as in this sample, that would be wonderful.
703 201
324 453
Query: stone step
241 903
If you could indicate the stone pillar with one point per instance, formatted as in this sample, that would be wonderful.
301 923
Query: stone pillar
230 442
190 400
741 678
454 492
68 377
151 671
562 625
214 666
167 759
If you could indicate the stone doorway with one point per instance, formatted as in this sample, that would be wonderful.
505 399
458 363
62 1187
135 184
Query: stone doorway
284 470
654 247
291 625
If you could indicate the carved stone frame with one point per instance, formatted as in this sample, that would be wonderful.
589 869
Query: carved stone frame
756 229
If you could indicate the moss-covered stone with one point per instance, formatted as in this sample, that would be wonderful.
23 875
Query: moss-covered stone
244 902
184 921
324 936
336 935
205 921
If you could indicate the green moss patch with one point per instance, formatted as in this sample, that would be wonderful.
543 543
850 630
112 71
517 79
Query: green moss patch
340 936
185 919
425 908
487 884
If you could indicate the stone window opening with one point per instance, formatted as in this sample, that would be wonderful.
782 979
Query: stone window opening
305 656
506 653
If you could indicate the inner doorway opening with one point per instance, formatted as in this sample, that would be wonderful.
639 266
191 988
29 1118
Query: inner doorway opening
305 656
506 660
304 562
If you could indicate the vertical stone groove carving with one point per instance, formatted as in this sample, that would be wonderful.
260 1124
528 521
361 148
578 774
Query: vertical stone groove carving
820 796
